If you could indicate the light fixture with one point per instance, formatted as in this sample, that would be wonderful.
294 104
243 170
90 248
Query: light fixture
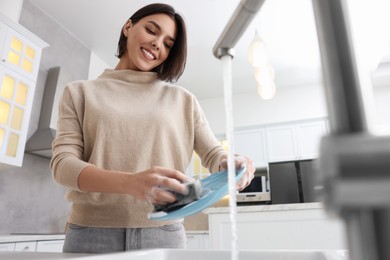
257 52
265 78
264 73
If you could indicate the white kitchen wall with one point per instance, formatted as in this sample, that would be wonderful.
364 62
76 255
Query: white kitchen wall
96 66
289 104
11 9
382 106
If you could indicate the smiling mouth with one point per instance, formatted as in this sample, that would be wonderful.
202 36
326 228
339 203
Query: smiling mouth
148 54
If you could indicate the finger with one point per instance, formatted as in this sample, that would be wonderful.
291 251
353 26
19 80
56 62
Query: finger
242 183
223 164
161 196
173 185
172 174
240 161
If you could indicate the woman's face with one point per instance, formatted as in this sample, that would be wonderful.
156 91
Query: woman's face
148 42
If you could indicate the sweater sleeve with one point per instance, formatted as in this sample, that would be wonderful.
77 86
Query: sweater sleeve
206 144
66 163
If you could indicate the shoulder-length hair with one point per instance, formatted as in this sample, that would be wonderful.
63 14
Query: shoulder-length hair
173 67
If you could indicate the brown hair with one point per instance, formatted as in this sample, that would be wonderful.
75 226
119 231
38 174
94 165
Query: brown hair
173 67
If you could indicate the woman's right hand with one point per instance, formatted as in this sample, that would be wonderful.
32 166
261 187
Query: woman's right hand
152 185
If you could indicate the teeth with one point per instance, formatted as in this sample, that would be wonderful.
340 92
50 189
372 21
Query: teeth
148 54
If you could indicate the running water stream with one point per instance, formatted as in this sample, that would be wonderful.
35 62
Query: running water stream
227 88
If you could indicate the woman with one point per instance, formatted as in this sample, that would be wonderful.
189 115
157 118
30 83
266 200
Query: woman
126 137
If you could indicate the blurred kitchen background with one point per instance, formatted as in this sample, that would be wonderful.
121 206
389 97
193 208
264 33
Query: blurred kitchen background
82 38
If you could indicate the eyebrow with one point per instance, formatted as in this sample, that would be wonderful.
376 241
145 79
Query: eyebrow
159 28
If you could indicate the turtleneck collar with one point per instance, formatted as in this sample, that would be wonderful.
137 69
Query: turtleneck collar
130 76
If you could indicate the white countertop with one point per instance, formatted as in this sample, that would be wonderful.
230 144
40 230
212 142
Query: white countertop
259 208
7 238
38 255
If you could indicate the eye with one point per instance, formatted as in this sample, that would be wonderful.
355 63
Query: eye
149 31
168 46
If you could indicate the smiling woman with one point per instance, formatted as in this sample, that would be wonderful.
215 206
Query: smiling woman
146 24
125 139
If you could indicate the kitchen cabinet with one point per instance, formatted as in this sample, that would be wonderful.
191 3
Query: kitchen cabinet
296 141
7 247
302 226
32 243
252 143
54 246
20 54
29 246
198 240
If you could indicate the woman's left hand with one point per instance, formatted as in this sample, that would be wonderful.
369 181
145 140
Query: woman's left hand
241 161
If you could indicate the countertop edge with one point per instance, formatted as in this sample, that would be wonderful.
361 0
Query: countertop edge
12 238
277 207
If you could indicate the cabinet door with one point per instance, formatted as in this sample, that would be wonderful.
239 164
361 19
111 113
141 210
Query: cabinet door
281 143
54 246
194 241
3 33
26 246
252 144
21 54
308 138
16 96
197 241
7 247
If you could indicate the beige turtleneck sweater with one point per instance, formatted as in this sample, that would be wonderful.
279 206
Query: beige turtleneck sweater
126 121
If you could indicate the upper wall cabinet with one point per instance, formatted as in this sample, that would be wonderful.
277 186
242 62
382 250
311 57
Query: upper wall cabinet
251 143
296 141
20 54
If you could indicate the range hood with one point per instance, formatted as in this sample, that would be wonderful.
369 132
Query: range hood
40 142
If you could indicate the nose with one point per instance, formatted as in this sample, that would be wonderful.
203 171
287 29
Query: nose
156 44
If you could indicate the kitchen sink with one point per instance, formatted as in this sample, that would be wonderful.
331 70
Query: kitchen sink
180 254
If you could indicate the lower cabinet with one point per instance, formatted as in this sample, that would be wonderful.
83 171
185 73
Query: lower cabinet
54 246
198 240
7 247
29 246
51 245
277 227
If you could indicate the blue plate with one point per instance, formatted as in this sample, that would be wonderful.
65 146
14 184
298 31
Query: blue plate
214 187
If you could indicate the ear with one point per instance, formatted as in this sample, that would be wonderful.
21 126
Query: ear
126 27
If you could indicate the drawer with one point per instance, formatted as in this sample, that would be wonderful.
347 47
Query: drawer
54 246
7 247
26 246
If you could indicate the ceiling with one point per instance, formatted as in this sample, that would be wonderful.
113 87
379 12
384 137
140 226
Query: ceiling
286 26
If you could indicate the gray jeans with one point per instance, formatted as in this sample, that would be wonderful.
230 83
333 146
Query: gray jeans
94 240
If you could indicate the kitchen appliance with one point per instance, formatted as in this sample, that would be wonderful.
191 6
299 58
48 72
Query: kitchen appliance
40 142
257 192
293 182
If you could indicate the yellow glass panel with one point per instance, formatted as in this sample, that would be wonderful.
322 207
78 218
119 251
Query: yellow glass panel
5 109
13 58
2 135
196 164
12 147
224 144
29 52
16 44
7 88
17 118
21 94
27 65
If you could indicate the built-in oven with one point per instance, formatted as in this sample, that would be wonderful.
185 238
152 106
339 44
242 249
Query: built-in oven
258 191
